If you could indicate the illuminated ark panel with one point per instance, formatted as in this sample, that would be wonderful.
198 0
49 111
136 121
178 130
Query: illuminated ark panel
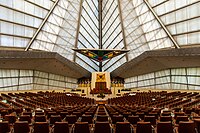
100 82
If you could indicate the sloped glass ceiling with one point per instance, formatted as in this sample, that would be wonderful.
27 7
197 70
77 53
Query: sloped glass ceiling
112 35
88 36
181 18
60 25
59 32
143 31
19 20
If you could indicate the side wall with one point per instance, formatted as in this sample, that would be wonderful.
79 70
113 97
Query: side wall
177 79
17 80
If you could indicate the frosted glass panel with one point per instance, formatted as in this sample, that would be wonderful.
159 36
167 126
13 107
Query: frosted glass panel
11 80
180 78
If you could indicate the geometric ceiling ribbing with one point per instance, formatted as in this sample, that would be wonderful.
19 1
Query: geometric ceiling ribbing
142 30
88 33
135 25
58 33
112 33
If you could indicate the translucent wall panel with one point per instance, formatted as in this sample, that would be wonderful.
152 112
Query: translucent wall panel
10 88
147 76
163 86
181 17
162 80
40 74
193 71
52 81
179 86
56 80
162 73
40 80
194 80
13 80
56 77
25 87
193 77
41 87
57 83
193 87
8 80
26 81
180 78
24 73
71 82
20 19
146 83
8 73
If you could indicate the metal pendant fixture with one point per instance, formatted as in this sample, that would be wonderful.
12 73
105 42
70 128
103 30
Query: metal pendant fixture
100 55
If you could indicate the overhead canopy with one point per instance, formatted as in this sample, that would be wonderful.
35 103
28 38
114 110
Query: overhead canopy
151 61
42 61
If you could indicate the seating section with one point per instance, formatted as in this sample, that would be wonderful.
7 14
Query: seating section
45 112
4 127
61 127
165 127
146 112
144 127
157 112
81 127
123 127
21 127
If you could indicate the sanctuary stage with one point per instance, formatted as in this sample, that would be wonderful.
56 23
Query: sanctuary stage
100 84
100 81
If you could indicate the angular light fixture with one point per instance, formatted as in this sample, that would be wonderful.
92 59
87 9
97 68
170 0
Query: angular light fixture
100 55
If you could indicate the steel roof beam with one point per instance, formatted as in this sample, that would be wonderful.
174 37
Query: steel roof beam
41 26
162 25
